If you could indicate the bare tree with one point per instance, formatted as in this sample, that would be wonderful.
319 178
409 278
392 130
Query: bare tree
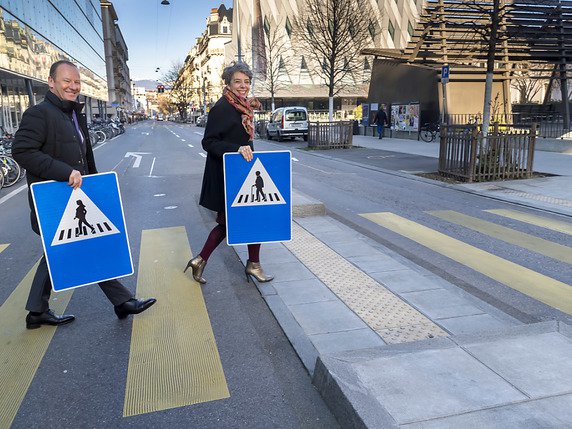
182 91
489 28
527 83
332 33
274 70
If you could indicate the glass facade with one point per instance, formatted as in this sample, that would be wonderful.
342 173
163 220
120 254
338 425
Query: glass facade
36 33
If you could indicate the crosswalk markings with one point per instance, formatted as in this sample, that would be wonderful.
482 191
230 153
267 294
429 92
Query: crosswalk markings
529 282
3 247
554 225
174 359
508 235
21 350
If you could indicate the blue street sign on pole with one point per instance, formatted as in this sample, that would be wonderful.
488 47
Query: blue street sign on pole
258 197
83 231
445 74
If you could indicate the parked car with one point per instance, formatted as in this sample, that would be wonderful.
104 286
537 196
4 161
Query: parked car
288 122
202 121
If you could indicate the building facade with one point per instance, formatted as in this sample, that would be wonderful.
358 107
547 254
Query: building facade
36 33
205 62
261 23
120 99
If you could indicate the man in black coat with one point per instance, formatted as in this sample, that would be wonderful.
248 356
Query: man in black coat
52 143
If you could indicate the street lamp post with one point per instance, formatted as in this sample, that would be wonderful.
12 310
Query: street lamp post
238 44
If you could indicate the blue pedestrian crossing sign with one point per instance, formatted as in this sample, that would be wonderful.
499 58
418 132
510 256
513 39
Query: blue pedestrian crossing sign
83 231
258 197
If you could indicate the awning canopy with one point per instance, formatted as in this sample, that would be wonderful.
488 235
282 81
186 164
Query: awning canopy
533 36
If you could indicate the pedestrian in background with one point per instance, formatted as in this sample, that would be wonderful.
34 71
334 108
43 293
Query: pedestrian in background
230 128
381 120
52 143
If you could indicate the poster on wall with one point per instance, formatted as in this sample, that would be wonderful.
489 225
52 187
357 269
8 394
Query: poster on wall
405 117
365 114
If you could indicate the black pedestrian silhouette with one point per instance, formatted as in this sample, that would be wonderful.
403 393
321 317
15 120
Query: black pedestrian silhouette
259 183
80 213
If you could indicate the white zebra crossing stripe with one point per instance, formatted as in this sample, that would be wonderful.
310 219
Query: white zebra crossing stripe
71 229
258 189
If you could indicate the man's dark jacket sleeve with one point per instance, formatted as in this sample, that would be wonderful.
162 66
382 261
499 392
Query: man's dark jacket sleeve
28 147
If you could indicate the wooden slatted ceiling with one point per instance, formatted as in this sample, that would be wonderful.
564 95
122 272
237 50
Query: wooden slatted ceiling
532 34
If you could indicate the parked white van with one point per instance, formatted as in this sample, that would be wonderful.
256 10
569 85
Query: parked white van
288 122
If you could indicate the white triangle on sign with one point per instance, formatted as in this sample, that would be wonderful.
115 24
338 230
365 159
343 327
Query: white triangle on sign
82 220
258 189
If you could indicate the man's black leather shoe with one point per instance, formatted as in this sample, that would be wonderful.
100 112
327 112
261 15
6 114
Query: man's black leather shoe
47 318
133 306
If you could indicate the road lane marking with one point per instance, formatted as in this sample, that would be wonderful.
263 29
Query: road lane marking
11 194
21 349
508 235
202 154
174 360
294 159
190 145
152 167
529 282
183 140
200 134
3 247
554 225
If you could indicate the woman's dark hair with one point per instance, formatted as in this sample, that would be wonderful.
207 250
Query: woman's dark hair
229 71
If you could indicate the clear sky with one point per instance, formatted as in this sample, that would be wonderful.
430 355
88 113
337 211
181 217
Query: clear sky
158 35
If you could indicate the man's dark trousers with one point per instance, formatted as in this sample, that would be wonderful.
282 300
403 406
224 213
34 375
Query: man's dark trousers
42 287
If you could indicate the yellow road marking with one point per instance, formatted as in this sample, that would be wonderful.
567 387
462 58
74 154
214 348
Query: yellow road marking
21 350
3 247
174 359
531 283
554 225
526 241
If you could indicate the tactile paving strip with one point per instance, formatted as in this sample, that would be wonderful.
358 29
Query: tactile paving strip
387 314
537 197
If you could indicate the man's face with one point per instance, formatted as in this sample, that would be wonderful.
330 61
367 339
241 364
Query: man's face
66 84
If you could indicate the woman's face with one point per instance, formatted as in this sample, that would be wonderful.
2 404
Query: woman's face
240 83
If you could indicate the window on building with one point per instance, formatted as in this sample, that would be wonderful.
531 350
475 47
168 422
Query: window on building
224 29
288 27
266 25
410 29
371 28
309 28
281 64
366 65
391 29
303 65
352 30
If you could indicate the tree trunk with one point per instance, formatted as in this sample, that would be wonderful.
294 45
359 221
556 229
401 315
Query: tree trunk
495 18
331 108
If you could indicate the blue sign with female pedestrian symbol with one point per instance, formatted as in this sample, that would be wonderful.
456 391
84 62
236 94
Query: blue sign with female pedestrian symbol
83 231
258 197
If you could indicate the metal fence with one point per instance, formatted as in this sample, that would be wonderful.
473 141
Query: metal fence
465 154
549 125
330 135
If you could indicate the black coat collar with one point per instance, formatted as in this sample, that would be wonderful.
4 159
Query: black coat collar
64 105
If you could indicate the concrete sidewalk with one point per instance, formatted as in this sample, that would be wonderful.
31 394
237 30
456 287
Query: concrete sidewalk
391 345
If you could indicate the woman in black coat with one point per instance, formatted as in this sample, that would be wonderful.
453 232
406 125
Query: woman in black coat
229 128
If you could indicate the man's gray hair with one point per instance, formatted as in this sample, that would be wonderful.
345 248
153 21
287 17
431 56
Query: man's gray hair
229 71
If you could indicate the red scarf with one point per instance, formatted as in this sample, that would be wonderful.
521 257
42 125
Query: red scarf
245 106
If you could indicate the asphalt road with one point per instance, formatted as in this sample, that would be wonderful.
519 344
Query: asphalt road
81 381
357 181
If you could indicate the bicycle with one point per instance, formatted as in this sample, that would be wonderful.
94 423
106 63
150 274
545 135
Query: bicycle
9 168
428 131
